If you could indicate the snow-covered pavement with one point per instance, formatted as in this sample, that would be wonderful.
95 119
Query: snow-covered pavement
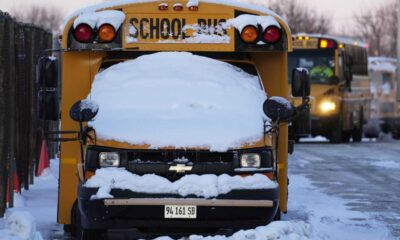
335 192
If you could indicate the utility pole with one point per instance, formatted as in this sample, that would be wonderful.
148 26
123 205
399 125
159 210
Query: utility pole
398 50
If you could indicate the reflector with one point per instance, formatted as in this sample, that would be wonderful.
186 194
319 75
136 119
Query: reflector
106 33
249 34
272 34
83 32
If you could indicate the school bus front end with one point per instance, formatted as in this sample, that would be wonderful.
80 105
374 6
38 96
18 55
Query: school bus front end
250 40
340 99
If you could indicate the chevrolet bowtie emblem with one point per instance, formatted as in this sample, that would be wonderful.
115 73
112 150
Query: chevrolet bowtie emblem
180 168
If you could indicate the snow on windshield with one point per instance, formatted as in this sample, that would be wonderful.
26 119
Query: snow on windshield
178 99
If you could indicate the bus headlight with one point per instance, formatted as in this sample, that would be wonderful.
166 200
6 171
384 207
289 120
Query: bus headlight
250 160
327 106
109 159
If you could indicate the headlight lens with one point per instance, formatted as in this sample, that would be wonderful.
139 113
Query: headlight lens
109 159
328 106
250 160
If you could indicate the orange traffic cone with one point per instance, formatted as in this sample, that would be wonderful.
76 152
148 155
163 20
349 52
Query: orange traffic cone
16 187
44 159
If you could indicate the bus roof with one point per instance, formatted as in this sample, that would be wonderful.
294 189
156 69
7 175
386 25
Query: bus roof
383 64
113 4
338 39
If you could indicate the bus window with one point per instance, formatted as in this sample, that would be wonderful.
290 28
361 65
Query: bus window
321 68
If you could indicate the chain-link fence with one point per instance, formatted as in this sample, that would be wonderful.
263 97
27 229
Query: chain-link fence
21 46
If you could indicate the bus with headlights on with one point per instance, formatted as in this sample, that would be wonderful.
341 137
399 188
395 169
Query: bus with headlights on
174 117
340 96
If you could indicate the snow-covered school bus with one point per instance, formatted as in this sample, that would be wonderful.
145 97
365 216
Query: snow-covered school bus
177 117
385 109
340 95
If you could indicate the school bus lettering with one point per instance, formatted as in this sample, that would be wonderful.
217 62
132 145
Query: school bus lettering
175 28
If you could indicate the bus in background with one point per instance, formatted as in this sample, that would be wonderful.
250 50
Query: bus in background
219 60
385 109
340 95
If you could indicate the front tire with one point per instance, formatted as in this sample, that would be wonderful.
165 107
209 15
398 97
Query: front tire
85 234
358 132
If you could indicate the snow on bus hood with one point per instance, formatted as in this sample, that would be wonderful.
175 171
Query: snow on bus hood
178 99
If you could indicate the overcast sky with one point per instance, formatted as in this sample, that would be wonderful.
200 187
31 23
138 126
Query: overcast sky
342 11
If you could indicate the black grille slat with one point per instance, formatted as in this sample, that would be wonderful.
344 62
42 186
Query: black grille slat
171 155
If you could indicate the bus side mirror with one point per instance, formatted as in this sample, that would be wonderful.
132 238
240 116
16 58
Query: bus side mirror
300 83
279 109
48 72
83 110
48 105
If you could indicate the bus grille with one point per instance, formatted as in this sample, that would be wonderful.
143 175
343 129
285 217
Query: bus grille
166 156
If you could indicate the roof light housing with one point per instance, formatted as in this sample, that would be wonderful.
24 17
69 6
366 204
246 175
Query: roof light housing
327 43
163 7
178 7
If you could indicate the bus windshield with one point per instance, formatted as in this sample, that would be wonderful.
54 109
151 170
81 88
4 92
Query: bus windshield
320 65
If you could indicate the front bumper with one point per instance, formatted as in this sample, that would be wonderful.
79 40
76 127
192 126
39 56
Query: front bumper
324 125
238 209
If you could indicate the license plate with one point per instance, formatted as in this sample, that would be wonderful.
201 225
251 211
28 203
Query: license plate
180 211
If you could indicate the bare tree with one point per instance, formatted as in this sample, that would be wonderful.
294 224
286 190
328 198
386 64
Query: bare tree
378 26
300 17
47 17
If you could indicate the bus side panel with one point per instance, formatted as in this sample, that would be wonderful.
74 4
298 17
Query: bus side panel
76 83
273 69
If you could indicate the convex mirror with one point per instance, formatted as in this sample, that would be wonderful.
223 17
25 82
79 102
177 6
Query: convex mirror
279 109
84 110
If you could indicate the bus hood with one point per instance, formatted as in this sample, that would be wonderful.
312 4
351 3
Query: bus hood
178 100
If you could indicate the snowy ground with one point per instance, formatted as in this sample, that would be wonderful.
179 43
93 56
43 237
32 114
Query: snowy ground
345 191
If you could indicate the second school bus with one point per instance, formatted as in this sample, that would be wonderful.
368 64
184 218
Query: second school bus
256 42
385 109
340 95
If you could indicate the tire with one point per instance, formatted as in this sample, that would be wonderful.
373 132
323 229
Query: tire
85 234
358 132
346 136
278 214
336 137
396 135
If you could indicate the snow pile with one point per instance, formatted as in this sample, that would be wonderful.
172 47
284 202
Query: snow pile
96 19
282 230
20 225
192 3
88 104
206 186
178 99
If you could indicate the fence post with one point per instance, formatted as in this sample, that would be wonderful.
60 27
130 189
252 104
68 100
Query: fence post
3 155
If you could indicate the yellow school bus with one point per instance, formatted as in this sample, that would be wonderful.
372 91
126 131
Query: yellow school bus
249 39
340 96
385 109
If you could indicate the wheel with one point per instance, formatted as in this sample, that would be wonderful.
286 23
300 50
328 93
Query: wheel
277 216
85 234
336 136
357 132
396 134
